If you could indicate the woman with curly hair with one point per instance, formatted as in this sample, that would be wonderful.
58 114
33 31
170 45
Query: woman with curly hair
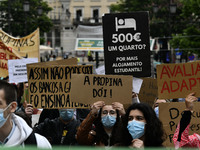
102 125
142 128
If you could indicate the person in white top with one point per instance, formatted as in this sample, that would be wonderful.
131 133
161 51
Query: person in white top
14 130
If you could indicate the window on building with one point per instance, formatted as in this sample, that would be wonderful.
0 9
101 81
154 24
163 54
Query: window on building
110 10
49 39
78 15
96 15
57 38
51 14
54 8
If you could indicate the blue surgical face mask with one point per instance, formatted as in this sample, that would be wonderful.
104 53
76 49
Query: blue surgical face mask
136 129
66 114
108 121
2 119
157 111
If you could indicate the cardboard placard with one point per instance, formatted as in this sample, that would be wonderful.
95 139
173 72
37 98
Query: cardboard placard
70 61
27 46
17 69
178 80
127 44
6 53
170 115
50 86
108 88
137 83
148 91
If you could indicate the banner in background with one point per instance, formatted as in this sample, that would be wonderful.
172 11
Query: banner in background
6 53
89 44
27 46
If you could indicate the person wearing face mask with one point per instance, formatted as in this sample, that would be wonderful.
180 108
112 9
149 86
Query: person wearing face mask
14 131
141 127
61 130
102 125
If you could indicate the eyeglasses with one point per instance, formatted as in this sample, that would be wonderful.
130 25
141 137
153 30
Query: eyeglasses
111 112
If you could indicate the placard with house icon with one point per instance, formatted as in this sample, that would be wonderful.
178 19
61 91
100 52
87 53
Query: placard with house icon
126 44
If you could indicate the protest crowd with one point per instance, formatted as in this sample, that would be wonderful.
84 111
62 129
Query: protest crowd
60 103
105 125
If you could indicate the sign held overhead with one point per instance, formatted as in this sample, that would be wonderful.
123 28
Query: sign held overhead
127 44
50 85
178 80
108 88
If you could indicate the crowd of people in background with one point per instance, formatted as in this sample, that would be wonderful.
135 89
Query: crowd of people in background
137 126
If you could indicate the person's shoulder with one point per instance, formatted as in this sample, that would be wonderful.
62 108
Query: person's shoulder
19 121
42 142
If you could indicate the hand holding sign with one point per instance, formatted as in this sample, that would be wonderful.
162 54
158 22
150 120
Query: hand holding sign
28 109
96 106
137 143
118 106
189 101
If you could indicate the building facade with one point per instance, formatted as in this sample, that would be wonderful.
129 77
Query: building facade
68 14
90 11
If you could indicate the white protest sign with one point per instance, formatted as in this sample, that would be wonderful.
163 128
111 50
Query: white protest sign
17 69
35 119
137 83
100 70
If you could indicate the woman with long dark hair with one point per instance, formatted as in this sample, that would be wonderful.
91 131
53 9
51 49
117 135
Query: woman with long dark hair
102 125
142 128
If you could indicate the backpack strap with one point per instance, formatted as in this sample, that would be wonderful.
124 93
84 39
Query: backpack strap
31 140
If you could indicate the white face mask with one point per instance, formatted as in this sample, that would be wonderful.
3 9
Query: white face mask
2 119
157 111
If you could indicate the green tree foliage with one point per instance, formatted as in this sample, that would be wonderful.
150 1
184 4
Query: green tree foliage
131 5
19 23
189 39
162 23
188 42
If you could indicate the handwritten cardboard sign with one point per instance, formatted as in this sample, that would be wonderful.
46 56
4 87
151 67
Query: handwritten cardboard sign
148 91
50 86
108 88
127 44
178 80
170 115
70 61
17 69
